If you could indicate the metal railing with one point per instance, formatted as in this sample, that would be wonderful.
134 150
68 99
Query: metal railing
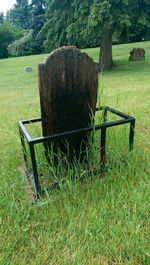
32 171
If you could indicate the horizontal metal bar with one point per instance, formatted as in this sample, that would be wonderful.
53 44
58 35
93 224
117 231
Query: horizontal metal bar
119 113
78 131
31 120
25 132
115 123
100 108
126 119
40 119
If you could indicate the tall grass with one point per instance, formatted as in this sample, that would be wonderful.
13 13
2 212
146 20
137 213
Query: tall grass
100 220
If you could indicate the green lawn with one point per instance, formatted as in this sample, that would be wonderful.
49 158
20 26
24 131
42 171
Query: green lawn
102 221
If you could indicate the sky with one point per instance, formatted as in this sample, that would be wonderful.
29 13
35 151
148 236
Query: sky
6 4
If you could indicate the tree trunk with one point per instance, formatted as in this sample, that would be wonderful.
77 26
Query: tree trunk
105 60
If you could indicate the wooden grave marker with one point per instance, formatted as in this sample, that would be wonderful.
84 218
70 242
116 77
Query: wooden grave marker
68 82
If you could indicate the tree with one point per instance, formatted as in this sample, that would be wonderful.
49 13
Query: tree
1 18
8 34
19 15
109 16
29 15
38 15
37 8
90 23
140 21
58 17
76 33
65 24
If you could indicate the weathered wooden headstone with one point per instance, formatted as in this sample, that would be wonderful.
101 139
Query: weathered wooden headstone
137 54
68 83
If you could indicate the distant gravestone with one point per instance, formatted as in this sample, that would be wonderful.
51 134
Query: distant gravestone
137 54
27 69
68 83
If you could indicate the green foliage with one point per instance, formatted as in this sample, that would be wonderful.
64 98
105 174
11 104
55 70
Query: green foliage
8 34
84 23
99 16
109 15
76 30
9 16
19 15
1 18
140 21
37 11
28 16
22 46
58 15
81 23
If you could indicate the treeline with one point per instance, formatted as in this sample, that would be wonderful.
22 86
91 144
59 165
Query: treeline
38 26
20 27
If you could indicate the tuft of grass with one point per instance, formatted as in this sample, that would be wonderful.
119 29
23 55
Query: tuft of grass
99 220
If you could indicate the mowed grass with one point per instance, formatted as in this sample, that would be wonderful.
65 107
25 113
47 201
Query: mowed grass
101 221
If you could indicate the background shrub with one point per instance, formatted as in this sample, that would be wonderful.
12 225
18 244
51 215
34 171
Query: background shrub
23 46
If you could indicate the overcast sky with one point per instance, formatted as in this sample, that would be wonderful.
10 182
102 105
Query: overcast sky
6 4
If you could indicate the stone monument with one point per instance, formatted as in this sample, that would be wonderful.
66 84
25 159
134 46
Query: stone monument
137 54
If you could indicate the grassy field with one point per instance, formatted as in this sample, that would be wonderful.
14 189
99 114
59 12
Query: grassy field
102 221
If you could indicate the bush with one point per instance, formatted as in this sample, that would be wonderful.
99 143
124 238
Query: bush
23 46
8 33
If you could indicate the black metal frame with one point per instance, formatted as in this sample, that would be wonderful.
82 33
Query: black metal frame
33 172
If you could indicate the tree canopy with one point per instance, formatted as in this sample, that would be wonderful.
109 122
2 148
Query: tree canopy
86 23
8 33
19 15
94 22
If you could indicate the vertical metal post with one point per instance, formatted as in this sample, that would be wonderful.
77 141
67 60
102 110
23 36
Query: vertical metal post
105 115
24 150
103 147
34 167
103 140
131 135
